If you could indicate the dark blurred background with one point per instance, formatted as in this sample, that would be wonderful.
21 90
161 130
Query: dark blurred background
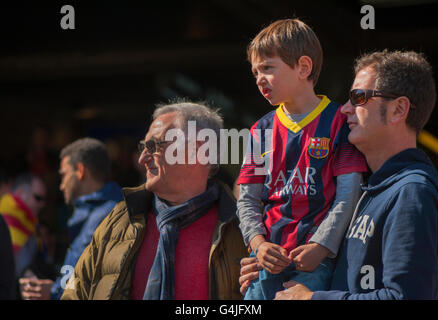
104 78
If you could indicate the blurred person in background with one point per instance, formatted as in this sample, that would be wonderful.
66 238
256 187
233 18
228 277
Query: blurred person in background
84 170
20 209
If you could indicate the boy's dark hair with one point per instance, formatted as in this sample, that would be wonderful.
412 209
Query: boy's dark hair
290 39
404 73
92 153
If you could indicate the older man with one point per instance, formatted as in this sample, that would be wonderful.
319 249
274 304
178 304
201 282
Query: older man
175 237
84 170
391 248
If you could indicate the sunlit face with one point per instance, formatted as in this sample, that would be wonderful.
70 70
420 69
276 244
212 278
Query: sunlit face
276 80
69 181
365 121
161 177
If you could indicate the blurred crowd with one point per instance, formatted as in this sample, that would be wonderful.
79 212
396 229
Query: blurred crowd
49 210
32 206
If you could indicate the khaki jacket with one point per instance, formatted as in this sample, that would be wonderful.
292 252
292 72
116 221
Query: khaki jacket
104 270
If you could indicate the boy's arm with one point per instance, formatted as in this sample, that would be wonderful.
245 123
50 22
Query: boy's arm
332 229
271 256
250 211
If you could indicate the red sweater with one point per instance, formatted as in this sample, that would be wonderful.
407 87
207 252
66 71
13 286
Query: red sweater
191 258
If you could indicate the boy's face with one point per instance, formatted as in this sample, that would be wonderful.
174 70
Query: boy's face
276 80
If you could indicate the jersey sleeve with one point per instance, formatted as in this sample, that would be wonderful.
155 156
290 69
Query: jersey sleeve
253 167
347 158
332 229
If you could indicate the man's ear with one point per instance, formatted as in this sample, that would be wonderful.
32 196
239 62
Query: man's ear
80 170
399 110
305 66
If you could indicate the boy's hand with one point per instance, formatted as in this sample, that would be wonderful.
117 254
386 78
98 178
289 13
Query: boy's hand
308 257
272 257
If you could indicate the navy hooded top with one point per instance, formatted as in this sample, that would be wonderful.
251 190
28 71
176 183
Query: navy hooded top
391 248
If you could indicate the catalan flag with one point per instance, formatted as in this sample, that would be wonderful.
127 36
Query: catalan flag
20 219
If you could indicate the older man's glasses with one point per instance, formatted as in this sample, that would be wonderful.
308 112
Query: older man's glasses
359 97
150 145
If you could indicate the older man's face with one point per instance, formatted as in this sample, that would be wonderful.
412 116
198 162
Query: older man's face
161 178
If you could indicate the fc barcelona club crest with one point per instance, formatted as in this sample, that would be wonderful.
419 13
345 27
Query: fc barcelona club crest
319 147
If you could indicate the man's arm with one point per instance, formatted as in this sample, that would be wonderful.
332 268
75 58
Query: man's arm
79 284
409 251
80 243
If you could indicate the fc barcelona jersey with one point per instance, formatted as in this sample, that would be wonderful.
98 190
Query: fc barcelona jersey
298 164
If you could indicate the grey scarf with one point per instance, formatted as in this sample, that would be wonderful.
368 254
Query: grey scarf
170 220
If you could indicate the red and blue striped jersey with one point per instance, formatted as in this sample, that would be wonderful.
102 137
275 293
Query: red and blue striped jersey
298 164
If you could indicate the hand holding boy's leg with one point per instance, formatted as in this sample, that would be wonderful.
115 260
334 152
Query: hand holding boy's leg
249 271
294 291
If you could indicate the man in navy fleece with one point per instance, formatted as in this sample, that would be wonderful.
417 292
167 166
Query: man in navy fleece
391 248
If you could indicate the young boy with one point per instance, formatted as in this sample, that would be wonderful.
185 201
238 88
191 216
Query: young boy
294 214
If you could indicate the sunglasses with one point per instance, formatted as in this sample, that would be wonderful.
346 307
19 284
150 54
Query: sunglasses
150 145
359 97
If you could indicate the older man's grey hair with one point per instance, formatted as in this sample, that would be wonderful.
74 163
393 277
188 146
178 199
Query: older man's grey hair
204 116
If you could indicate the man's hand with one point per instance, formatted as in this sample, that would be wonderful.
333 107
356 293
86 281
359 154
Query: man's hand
272 257
249 271
294 291
308 257
35 289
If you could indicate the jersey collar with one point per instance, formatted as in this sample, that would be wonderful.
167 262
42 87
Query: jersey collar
295 127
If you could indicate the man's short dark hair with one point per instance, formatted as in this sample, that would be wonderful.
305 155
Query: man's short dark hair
404 73
92 153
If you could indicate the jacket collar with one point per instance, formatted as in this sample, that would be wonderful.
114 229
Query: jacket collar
110 191
139 202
